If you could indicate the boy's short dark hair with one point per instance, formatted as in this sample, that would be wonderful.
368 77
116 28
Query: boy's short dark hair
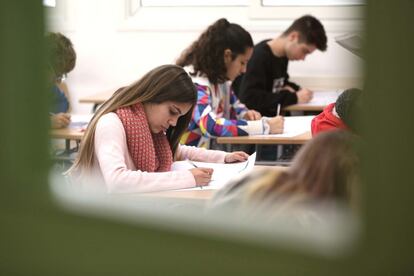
349 106
311 31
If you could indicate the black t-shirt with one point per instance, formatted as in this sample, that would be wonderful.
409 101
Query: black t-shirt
260 88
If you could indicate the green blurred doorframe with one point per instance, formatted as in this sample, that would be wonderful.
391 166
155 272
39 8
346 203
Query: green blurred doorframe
37 238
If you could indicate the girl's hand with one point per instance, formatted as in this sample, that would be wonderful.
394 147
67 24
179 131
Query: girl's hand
60 120
276 124
237 156
252 115
202 176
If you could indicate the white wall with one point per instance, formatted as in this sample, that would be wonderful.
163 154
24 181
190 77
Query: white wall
116 42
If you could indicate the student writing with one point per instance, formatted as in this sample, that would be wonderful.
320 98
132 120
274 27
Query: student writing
215 59
266 81
132 140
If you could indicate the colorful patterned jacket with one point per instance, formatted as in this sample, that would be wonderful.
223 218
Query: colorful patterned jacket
218 113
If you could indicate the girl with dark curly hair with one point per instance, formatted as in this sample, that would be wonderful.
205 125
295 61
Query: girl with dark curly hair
213 61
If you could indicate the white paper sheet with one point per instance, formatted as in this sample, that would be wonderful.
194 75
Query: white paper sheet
79 121
222 172
294 125
324 97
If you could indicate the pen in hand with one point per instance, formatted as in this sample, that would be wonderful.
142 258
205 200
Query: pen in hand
194 165
278 110
199 174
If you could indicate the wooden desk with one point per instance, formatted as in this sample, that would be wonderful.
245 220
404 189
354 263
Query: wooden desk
97 98
266 139
201 194
69 134
296 131
305 107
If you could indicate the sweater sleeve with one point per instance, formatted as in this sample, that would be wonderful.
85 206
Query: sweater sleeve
200 154
254 91
212 125
117 168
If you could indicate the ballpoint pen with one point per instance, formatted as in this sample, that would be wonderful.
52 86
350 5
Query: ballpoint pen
278 110
192 163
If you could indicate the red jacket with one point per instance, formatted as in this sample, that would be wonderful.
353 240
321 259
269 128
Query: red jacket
327 121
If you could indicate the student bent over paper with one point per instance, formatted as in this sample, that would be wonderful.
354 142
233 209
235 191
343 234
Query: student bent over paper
131 142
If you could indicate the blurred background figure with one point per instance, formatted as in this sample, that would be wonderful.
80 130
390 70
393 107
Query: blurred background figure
61 60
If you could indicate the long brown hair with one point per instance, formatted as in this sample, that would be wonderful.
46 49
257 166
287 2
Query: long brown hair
206 54
325 168
164 83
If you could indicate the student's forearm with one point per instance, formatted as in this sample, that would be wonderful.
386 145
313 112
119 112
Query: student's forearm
200 154
128 181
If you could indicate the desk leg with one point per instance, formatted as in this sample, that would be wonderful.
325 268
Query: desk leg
258 149
279 151
67 145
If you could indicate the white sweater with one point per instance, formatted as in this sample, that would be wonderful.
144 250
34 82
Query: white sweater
115 168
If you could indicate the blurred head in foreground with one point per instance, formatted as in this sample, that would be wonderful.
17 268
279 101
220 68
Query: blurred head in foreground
324 170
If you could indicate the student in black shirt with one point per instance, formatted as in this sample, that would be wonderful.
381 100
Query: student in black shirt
266 81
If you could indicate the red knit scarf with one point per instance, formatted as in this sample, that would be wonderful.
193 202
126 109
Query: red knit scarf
150 152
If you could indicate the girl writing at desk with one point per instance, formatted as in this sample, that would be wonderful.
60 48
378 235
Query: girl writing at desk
133 138
214 60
